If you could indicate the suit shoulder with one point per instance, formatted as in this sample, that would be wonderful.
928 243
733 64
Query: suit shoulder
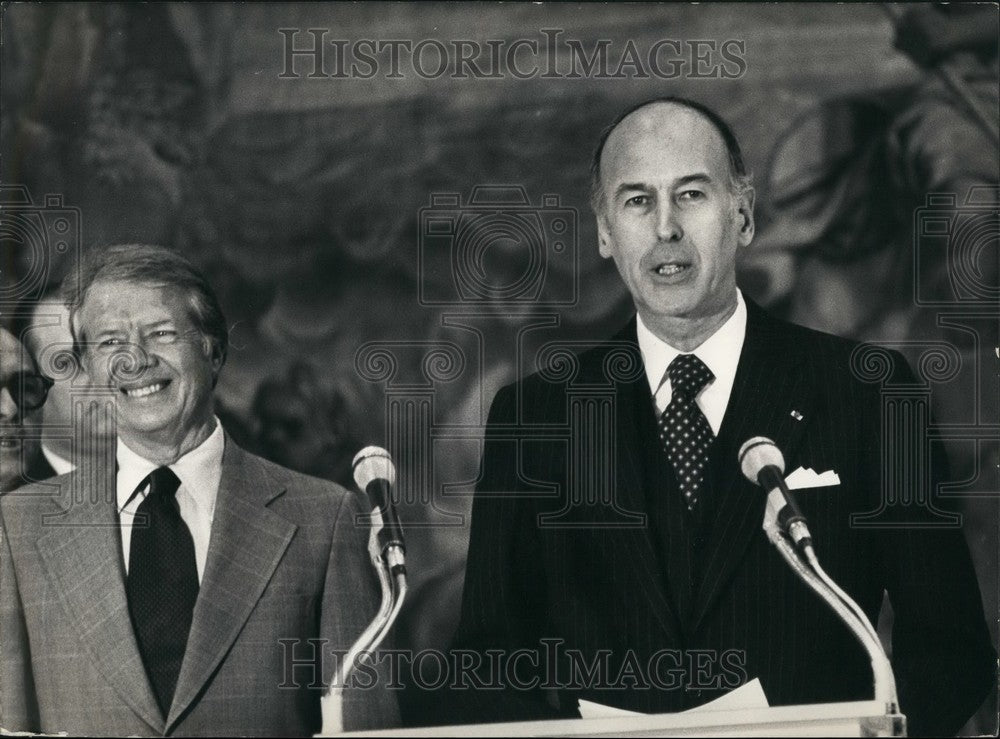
23 509
814 341
812 338
37 494
859 363
302 487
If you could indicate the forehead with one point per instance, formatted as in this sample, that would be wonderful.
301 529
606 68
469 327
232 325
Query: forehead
117 301
663 141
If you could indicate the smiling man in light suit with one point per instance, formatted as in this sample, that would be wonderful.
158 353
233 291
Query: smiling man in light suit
181 594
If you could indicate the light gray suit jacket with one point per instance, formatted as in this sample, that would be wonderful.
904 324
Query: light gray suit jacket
286 563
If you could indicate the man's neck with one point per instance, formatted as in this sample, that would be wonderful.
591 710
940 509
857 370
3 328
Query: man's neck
687 334
167 452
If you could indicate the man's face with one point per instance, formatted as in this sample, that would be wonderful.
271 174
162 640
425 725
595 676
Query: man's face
15 450
140 342
669 217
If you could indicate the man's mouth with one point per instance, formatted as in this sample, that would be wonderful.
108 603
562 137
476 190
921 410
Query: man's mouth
144 391
668 269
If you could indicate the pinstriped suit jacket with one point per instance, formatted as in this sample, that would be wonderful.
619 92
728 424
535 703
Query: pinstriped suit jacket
286 561
552 557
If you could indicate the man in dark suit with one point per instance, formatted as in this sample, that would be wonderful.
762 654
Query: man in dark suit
626 557
187 587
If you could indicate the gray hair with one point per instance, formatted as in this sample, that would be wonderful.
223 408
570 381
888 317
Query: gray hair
152 265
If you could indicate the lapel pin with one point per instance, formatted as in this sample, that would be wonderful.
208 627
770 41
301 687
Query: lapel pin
796 415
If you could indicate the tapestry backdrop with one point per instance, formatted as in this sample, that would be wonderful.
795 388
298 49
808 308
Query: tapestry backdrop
392 203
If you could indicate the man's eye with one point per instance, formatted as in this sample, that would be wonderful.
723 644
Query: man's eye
639 200
165 335
692 195
112 343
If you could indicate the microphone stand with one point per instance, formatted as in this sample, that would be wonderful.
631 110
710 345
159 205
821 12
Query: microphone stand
842 604
393 594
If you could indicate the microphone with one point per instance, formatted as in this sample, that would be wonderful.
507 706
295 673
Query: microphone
375 473
763 464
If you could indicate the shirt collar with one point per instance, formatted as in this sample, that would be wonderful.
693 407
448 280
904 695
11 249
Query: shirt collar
59 464
720 352
200 470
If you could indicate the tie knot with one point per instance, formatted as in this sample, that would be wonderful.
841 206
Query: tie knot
163 482
688 375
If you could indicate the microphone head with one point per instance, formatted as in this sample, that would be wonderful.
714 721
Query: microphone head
373 463
758 453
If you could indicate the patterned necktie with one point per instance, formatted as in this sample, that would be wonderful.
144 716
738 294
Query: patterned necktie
162 584
684 430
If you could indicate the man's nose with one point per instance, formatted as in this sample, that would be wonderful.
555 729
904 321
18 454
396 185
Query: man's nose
8 408
134 357
668 228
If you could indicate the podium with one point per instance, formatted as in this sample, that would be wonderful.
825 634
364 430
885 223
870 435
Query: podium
860 718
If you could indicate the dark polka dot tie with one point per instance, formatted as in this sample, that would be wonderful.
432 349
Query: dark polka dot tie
684 430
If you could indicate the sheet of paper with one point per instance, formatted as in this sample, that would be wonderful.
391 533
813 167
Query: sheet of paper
589 709
749 695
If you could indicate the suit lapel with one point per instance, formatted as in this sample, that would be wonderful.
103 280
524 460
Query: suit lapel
82 558
632 398
767 389
247 542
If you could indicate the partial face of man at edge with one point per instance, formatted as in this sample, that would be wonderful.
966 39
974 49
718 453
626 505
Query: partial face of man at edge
16 447
672 218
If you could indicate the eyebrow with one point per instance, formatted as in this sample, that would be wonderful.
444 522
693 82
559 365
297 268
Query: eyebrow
158 324
685 180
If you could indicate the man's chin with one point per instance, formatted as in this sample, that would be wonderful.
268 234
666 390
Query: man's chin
144 425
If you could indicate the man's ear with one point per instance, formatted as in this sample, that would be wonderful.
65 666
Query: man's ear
745 210
603 236
214 353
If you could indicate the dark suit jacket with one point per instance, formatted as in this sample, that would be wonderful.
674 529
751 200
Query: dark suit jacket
553 556
286 561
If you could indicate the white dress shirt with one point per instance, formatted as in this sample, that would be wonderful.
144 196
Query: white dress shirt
58 464
199 471
720 352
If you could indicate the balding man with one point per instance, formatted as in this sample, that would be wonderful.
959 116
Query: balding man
626 564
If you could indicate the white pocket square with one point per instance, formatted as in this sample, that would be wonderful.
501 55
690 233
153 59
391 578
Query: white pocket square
806 477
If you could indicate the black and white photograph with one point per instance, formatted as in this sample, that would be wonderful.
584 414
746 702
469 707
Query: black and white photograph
499 368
